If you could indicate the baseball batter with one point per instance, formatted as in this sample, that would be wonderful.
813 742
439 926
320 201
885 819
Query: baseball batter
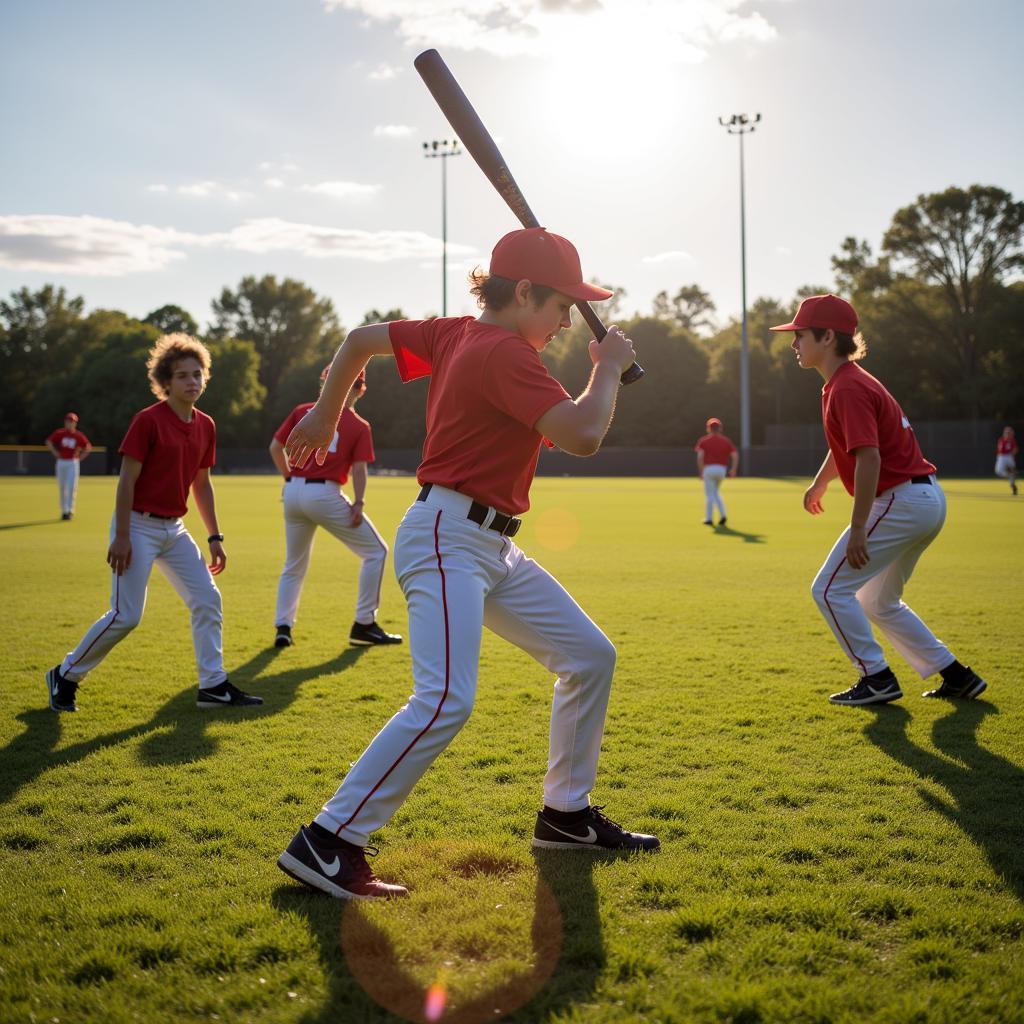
312 498
69 446
898 510
170 447
1006 458
717 457
490 405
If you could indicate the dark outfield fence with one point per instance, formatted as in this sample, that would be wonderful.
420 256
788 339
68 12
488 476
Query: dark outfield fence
957 448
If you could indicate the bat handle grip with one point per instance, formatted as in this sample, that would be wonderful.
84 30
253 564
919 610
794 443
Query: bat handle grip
594 322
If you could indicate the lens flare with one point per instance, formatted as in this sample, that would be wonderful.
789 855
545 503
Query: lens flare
433 1006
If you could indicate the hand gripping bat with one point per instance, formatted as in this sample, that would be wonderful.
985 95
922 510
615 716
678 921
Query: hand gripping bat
480 146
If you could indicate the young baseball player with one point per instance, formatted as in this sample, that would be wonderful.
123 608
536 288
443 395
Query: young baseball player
312 498
69 446
1006 458
490 405
898 510
170 447
716 457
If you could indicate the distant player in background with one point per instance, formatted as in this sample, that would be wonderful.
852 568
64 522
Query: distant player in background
716 457
1006 458
898 510
69 446
170 447
313 497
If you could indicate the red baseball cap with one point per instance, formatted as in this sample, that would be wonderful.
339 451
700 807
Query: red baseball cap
713 422
360 379
824 311
540 256
71 416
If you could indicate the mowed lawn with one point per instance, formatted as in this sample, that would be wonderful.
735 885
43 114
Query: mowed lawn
818 863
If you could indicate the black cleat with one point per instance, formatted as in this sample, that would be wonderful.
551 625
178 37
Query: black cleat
336 868
224 695
284 637
592 832
371 636
970 686
869 691
62 691
721 522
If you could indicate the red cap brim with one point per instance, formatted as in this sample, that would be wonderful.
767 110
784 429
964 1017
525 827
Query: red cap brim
584 292
786 327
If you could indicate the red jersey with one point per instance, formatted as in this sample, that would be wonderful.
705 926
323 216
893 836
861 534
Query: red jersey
68 443
488 388
858 412
716 448
171 452
353 442
1007 446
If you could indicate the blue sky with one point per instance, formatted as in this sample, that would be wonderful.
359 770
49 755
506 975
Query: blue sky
156 152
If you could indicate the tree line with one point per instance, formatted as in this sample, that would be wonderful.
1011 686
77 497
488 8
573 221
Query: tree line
941 305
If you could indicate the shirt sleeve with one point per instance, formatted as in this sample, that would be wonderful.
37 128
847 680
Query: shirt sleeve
282 432
139 439
83 441
857 418
362 450
54 437
519 384
699 446
413 343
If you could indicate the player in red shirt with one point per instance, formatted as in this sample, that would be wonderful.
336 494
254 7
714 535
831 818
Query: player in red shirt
312 498
69 446
898 510
169 447
716 456
1006 458
491 404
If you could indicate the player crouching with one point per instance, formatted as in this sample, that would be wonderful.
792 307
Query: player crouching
170 447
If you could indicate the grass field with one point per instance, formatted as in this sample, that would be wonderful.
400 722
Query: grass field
819 864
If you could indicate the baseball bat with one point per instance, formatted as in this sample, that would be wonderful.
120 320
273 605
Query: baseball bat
481 147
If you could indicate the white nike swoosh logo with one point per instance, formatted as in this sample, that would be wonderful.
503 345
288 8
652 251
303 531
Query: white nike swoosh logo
328 869
590 837
876 692
224 698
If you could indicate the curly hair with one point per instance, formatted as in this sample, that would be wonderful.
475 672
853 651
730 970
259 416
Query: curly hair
852 345
170 349
495 293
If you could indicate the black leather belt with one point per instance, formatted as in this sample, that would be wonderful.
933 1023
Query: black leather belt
153 515
507 526
920 479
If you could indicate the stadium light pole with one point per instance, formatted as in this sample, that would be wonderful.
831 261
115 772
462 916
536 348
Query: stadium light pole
442 149
743 124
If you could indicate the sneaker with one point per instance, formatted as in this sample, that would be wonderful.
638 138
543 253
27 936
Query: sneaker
721 522
592 832
338 869
65 515
970 686
62 691
869 691
707 522
284 637
224 695
1013 487
371 636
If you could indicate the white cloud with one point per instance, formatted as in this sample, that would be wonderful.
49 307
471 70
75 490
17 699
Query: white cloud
686 30
384 72
96 246
273 183
156 188
671 256
341 189
393 131
212 189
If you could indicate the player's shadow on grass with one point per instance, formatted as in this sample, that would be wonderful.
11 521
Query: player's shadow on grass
34 522
366 980
177 732
986 791
748 538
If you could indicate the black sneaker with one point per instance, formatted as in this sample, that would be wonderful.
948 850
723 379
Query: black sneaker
284 637
592 832
869 691
970 686
65 516
62 691
707 522
224 695
721 522
338 869
371 636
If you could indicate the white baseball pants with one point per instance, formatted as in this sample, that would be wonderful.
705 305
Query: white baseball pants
307 506
1006 466
67 484
457 577
903 522
167 543
713 477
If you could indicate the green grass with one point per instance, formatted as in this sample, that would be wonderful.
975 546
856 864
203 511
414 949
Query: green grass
819 864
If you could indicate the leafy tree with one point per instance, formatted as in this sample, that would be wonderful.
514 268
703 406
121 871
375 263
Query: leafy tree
171 319
234 396
690 308
375 316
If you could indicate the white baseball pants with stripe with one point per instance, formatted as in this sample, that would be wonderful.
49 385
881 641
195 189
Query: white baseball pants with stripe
713 477
67 484
1006 466
903 522
170 546
457 577
307 506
